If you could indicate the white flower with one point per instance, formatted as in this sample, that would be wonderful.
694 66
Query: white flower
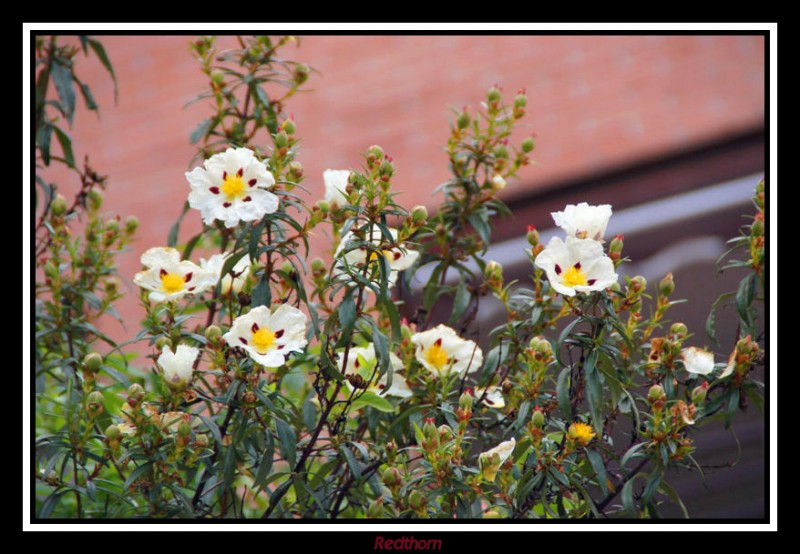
240 270
169 278
336 185
494 397
399 257
491 460
697 360
578 265
584 221
268 337
363 362
177 366
731 365
232 187
498 182
441 351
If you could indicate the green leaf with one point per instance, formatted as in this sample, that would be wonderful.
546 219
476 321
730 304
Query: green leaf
562 393
212 426
479 221
66 146
288 441
744 298
374 401
673 495
355 467
172 237
266 461
460 302
101 54
347 316
631 453
562 337
627 498
50 504
594 391
88 98
43 136
136 473
201 130
599 468
381 344
62 78
262 295
652 486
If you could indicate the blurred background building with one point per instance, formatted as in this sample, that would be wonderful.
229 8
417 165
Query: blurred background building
670 130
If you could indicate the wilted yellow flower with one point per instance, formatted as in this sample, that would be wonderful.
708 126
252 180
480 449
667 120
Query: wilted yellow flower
580 433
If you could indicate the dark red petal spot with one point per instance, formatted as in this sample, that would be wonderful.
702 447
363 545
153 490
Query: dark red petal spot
488 401
455 360
252 182
240 172
243 340
226 204
224 175
654 356
381 386
280 346
591 282
558 269
254 328
577 265
162 272
190 289
397 255
246 199
438 342
213 190
187 277
278 333
356 364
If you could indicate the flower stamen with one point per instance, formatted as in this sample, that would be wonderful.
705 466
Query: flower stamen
575 276
171 282
263 339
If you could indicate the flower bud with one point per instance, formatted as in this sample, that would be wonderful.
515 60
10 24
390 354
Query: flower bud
300 73
92 362
666 285
162 342
112 225
95 198
281 140
289 127
493 269
533 236
493 95
416 500
757 228
94 403
541 345
760 187
324 206
538 417
429 429
184 429
376 509
131 224
492 514
374 153
217 77
392 477
699 394
520 100
465 401
638 284
213 332
135 394
679 330
419 214
463 120
317 265
501 152
112 432
655 393
498 182
528 145
386 168
295 170
615 247
59 205
391 451
445 433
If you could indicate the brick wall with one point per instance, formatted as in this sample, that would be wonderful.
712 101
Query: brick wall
595 103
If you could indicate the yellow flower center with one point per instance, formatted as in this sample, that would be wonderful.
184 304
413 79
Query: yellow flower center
172 282
233 187
436 356
581 433
575 276
263 339
386 253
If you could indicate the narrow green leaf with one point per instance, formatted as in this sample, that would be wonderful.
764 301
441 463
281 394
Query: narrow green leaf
62 78
652 486
479 221
288 441
562 337
172 237
212 426
136 473
201 130
599 468
347 316
266 462
460 302
562 393
631 453
374 401
43 136
262 295
594 391
66 146
101 54
627 498
88 97
50 504
673 495
355 467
